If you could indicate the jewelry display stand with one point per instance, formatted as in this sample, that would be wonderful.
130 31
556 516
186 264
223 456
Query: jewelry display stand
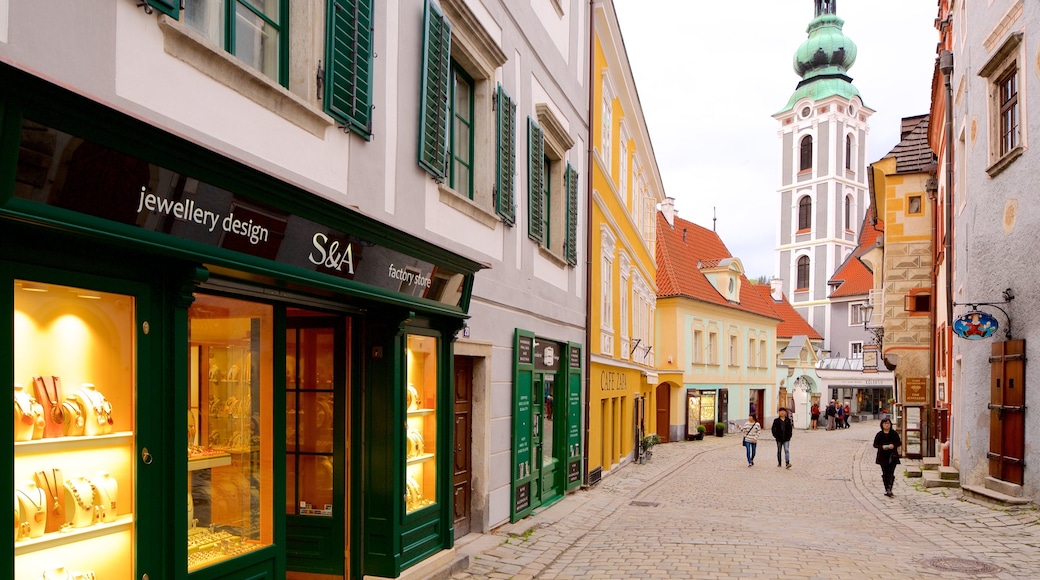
33 506
223 440
421 424
28 415
81 430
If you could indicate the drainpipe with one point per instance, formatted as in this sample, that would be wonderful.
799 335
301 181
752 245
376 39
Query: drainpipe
946 67
588 250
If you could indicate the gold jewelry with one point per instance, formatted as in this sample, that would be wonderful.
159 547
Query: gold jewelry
71 486
27 415
39 516
52 491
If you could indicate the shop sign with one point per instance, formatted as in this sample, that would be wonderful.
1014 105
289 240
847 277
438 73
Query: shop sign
613 381
547 355
524 354
522 500
916 391
975 325
108 184
574 472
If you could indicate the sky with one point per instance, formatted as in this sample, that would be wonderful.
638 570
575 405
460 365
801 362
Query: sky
710 75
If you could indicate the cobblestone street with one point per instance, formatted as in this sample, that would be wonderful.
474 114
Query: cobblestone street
698 511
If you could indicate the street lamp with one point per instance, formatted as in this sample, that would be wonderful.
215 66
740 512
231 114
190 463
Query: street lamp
876 332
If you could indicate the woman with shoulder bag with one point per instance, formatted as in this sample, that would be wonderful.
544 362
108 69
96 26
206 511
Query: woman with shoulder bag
887 443
750 431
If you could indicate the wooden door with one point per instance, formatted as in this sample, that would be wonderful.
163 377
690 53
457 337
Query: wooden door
1007 410
463 454
664 411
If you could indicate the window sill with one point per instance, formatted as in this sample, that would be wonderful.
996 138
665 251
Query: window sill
1003 162
191 47
552 256
805 172
802 232
464 205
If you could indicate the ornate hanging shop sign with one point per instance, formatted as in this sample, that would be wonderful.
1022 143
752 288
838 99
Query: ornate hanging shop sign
975 325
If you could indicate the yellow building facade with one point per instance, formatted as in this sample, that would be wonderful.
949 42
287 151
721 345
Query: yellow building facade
626 188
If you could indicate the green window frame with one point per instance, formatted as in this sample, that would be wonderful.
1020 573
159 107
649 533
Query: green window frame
237 17
571 183
505 160
535 178
460 143
348 75
434 107
547 201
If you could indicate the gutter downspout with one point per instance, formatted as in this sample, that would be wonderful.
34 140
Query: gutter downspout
588 254
946 67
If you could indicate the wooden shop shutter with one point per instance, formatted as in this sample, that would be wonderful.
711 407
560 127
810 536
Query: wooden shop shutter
505 160
433 106
535 181
348 80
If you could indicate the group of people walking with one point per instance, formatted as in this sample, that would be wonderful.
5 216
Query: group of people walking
887 441
836 415
783 429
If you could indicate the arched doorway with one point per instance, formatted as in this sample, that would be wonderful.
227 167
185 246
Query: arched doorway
664 411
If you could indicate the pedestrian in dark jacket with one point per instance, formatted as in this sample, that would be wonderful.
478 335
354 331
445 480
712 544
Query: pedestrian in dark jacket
887 443
783 429
830 414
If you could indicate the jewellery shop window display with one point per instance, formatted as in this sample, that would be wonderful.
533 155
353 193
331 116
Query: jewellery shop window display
74 390
421 425
230 468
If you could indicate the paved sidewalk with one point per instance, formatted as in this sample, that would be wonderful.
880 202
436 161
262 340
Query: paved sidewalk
697 511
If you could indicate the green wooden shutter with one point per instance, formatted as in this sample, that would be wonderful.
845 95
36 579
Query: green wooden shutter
348 78
170 7
433 108
535 181
574 363
505 162
523 389
571 180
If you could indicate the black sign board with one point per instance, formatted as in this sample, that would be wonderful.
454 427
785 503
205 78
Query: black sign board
547 355
575 358
95 180
523 497
574 472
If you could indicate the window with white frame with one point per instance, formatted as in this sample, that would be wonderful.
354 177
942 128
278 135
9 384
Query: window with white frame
607 313
606 132
1007 132
698 346
762 354
713 348
856 349
624 292
733 352
751 360
623 166
856 313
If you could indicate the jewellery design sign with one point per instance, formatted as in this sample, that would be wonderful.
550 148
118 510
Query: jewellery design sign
61 170
975 325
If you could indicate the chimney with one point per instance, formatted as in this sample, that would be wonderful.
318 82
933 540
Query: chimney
776 290
668 209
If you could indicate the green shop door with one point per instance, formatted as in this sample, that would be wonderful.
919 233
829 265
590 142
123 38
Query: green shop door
316 496
544 437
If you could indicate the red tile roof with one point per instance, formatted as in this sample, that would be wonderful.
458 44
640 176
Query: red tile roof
792 324
853 277
686 248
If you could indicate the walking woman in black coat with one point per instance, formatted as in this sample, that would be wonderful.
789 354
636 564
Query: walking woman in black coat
887 443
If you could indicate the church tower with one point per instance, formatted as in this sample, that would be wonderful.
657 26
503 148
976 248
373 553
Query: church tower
823 191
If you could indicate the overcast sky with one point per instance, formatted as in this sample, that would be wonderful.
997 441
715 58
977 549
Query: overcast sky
711 74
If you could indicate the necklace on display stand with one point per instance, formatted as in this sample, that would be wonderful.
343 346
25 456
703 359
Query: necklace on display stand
75 489
24 402
39 516
52 490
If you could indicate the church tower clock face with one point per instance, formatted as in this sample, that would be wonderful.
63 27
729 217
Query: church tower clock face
823 190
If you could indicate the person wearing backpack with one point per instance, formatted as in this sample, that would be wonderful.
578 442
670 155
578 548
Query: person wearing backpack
783 429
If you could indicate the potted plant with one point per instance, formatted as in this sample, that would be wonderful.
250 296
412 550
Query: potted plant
720 429
647 444
701 430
